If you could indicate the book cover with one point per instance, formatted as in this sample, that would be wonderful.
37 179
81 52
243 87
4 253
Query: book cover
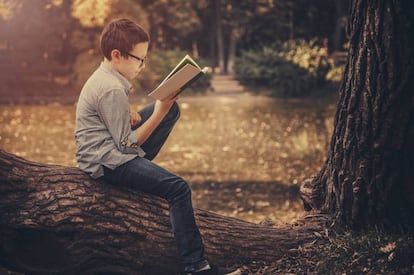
183 75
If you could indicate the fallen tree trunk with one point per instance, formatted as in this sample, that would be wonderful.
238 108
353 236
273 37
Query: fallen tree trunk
56 220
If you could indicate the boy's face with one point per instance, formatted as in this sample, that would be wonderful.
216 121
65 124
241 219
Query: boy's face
130 66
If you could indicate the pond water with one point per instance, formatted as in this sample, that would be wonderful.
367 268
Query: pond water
244 156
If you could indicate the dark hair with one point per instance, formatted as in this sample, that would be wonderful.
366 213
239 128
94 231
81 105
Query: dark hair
122 34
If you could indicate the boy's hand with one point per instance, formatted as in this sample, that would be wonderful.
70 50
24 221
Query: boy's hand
161 108
164 106
174 96
134 118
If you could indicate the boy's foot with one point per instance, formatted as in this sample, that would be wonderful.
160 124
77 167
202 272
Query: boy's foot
214 270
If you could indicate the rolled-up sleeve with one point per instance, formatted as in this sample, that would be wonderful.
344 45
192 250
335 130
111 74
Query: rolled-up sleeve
113 109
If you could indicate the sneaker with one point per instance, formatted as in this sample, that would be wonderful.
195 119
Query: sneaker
214 270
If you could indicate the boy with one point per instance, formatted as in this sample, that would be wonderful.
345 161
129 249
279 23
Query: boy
118 146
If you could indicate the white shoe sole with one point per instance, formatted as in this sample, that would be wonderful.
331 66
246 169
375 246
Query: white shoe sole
236 272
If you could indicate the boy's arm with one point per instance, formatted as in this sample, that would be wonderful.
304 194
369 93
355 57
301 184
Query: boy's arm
161 108
113 109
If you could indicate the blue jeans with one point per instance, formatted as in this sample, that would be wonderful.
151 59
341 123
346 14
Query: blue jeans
143 175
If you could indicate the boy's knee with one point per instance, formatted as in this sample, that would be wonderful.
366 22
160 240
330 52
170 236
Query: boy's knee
174 113
184 188
181 190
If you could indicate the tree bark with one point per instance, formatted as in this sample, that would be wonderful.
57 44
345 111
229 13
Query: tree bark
367 179
56 220
340 24
235 34
219 36
234 37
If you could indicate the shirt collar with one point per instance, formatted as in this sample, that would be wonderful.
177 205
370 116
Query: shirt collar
108 69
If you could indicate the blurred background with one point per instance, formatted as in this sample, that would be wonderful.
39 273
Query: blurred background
289 46
250 132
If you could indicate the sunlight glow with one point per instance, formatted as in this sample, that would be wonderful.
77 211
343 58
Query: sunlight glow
92 13
8 8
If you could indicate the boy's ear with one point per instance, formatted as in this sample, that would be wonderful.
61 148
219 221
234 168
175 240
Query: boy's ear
115 54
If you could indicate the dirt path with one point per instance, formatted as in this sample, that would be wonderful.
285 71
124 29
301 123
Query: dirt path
226 84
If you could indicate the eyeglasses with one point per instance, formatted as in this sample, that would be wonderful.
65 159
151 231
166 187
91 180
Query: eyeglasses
142 60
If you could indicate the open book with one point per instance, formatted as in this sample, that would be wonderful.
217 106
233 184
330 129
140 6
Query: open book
186 72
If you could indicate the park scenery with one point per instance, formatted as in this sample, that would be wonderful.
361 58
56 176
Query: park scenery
297 143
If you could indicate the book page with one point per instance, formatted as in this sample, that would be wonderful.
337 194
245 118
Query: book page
175 82
186 60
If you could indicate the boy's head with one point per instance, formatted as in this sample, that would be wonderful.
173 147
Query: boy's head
122 35
124 45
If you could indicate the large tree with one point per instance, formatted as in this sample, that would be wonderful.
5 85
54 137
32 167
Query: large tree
367 179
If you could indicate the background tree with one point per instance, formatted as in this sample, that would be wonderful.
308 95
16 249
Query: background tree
367 178
219 35
171 23
338 36
32 47
55 41
253 24
271 21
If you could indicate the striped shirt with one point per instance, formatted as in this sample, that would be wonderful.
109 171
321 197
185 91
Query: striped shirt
103 132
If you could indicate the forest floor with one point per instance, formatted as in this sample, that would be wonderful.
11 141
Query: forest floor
345 253
335 252
372 252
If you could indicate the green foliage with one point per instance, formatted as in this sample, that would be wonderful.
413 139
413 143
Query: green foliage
159 65
291 69
7 9
336 73
172 22
97 13
54 36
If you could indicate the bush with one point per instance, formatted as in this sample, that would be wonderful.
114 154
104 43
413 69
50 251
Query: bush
336 73
289 69
160 64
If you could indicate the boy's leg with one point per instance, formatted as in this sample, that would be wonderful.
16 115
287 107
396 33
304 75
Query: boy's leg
143 175
157 139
